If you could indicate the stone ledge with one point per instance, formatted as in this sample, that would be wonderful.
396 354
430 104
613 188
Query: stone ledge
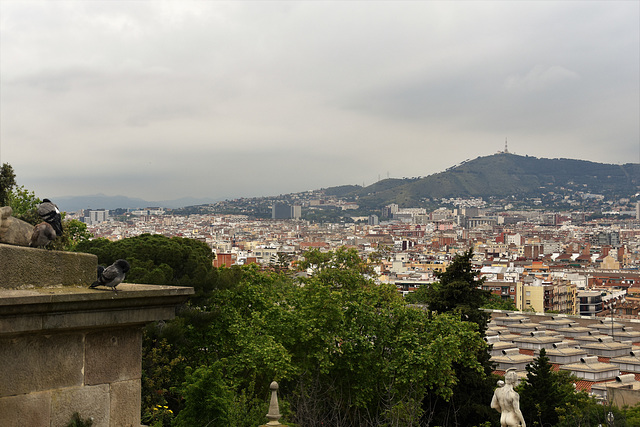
73 307
23 266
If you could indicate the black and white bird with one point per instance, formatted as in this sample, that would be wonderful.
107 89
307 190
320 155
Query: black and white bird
50 213
42 235
113 275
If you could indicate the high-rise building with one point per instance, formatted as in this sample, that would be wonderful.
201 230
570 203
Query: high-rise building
285 211
296 211
389 210
95 216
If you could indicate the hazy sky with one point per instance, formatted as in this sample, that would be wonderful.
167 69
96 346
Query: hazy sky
161 100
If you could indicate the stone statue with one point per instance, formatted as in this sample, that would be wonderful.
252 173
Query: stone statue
507 401
12 230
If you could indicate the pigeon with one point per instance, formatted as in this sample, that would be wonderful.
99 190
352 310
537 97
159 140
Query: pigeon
113 275
100 270
50 213
42 234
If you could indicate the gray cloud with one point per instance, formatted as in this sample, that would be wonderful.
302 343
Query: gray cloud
223 99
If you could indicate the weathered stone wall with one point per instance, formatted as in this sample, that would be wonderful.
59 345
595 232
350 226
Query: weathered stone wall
96 374
65 348
22 267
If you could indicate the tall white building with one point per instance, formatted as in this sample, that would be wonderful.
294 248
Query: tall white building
96 216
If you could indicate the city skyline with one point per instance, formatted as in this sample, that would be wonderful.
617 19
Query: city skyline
143 99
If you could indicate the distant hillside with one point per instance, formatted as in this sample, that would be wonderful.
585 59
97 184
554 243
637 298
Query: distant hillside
101 201
504 174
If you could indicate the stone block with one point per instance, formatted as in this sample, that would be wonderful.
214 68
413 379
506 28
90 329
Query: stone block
40 362
13 230
125 404
23 267
90 402
33 409
113 355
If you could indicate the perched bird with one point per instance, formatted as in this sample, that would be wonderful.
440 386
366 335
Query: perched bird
113 275
49 212
100 270
42 234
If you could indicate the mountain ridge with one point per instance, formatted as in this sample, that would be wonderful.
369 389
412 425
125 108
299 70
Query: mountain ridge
102 201
499 175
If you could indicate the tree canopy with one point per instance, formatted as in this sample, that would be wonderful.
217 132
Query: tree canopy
7 182
345 351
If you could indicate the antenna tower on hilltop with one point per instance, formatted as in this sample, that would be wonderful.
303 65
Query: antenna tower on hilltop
506 150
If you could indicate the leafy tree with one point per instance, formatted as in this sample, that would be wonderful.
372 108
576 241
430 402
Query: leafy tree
208 398
459 293
24 204
632 415
159 260
74 233
7 182
369 357
545 392
344 350
459 290
494 302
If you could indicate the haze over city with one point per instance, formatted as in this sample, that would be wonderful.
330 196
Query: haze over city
160 100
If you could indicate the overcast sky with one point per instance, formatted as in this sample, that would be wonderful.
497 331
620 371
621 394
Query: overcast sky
161 100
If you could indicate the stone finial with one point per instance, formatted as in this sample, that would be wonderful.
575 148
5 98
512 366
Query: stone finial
274 410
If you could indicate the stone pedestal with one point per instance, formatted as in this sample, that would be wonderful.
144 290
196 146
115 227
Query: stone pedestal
65 348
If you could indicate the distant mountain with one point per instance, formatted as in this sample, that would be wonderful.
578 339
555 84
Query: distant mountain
500 175
101 201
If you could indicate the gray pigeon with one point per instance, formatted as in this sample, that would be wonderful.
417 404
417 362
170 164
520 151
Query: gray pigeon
113 275
43 233
50 213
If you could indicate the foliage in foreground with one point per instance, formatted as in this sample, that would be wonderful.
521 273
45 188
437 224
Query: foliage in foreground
548 398
344 350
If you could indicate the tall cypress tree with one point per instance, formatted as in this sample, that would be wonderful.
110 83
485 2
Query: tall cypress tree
543 392
459 290
7 182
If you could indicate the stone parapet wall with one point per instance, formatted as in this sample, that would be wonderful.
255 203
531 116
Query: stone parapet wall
23 267
96 374
65 348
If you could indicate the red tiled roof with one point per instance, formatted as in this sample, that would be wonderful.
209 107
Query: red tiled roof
584 385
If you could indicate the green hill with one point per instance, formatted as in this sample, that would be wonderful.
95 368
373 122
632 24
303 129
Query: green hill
502 175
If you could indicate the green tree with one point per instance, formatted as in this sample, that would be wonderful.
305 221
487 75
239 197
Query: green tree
370 359
344 350
74 233
208 398
24 205
544 392
7 182
459 293
494 302
159 260
459 290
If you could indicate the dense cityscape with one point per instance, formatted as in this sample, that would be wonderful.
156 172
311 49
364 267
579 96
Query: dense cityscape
573 262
